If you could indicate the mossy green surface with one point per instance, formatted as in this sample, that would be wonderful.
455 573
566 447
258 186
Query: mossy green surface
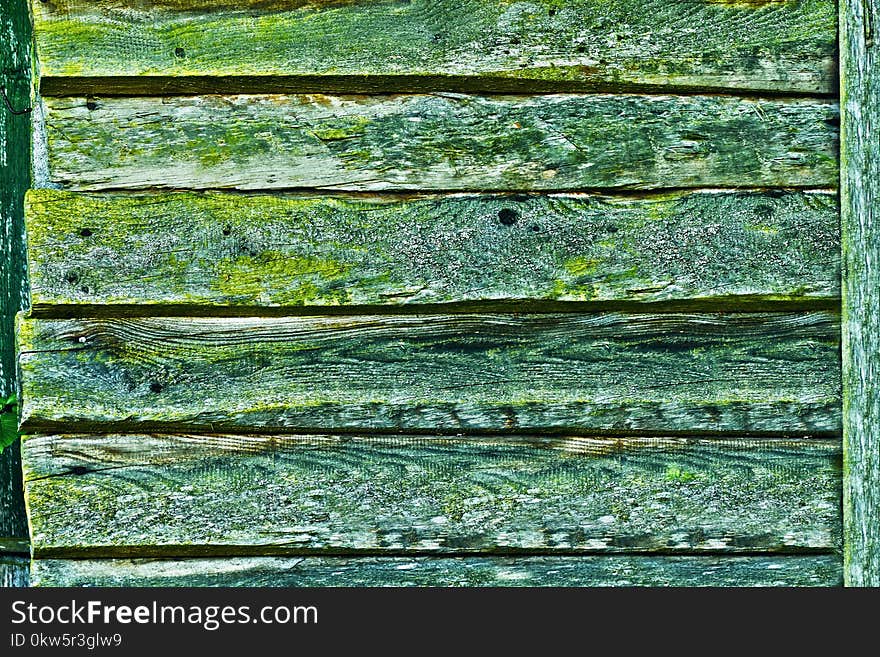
441 142
224 250
576 372
774 46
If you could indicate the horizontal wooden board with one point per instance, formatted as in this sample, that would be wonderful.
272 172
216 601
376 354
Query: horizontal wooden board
172 46
196 251
440 142
16 545
584 372
606 570
149 495
14 571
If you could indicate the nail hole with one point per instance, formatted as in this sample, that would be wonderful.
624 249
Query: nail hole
507 216
180 52
551 12
535 228
764 212
227 231
156 387
91 105
85 232
612 228
72 277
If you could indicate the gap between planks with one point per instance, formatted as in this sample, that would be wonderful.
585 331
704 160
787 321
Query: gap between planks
98 87
737 305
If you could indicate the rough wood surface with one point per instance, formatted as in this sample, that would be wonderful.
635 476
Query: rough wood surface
14 571
143 495
173 47
440 142
96 253
15 68
860 222
606 570
697 372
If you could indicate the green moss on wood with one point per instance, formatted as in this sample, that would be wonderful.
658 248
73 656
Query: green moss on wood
441 142
499 45
105 495
767 373
233 250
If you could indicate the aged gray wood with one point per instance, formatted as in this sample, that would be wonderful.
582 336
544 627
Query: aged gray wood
860 187
149 495
14 571
108 46
15 66
583 372
440 142
606 570
188 253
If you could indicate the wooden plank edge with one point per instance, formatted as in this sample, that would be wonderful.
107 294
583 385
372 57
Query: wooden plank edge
34 427
228 551
799 570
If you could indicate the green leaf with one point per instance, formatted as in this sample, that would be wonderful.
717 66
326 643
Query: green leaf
8 422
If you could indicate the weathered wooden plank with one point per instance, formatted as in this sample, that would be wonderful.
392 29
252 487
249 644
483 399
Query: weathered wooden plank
14 571
15 66
147 495
172 47
584 372
95 253
440 142
860 180
606 570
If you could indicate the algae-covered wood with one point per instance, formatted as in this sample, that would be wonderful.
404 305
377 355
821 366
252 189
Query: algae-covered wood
568 571
860 187
694 372
440 142
102 254
124 495
176 46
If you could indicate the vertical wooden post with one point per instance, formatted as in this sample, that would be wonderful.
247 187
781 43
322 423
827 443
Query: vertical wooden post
860 225
15 139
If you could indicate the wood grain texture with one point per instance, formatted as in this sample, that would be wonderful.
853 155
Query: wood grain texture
606 570
14 572
143 495
440 142
585 372
860 180
215 250
15 66
99 46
